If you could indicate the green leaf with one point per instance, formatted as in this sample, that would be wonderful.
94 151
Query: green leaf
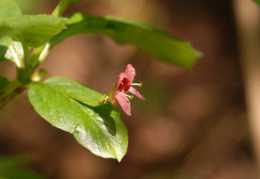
11 167
154 41
14 53
21 173
75 90
35 30
257 1
98 128
9 8
11 161
3 83
11 51
74 1
4 44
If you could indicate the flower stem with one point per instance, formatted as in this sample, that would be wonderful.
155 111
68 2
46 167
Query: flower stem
62 6
26 53
37 57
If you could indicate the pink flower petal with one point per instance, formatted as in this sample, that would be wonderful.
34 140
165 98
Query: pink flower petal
135 92
124 103
120 79
130 72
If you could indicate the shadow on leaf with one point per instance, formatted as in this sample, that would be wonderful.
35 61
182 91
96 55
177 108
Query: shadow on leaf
105 112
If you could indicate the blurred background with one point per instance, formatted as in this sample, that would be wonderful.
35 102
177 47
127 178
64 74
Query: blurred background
193 124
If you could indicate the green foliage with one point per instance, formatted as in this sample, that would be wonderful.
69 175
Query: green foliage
12 167
100 129
9 8
75 90
62 6
31 6
35 30
4 44
3 83
152 40
12 52
257 1
64 103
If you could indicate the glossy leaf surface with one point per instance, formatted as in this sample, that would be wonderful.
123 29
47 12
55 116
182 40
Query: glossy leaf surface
75 90
152 40
98 128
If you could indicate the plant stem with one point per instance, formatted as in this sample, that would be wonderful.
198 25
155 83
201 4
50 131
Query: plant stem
24 73
11 90
32 63
62 6
26 53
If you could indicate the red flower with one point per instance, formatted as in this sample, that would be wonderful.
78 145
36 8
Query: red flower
123 84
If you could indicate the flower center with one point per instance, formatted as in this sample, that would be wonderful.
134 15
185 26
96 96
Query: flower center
124 85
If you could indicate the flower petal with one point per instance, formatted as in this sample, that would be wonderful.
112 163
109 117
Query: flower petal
135 92
130 72
120 79
124 103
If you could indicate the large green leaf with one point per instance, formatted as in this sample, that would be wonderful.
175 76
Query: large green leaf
35 30
75 90
98 128
154 41
9 8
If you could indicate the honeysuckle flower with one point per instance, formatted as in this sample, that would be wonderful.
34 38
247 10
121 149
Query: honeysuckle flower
123 84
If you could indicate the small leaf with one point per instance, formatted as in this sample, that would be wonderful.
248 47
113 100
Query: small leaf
257 1
152 40
35 30
11 51
98 128
4 44
9 8
12 161
74 1
14 53
12 167
3 83
21 173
